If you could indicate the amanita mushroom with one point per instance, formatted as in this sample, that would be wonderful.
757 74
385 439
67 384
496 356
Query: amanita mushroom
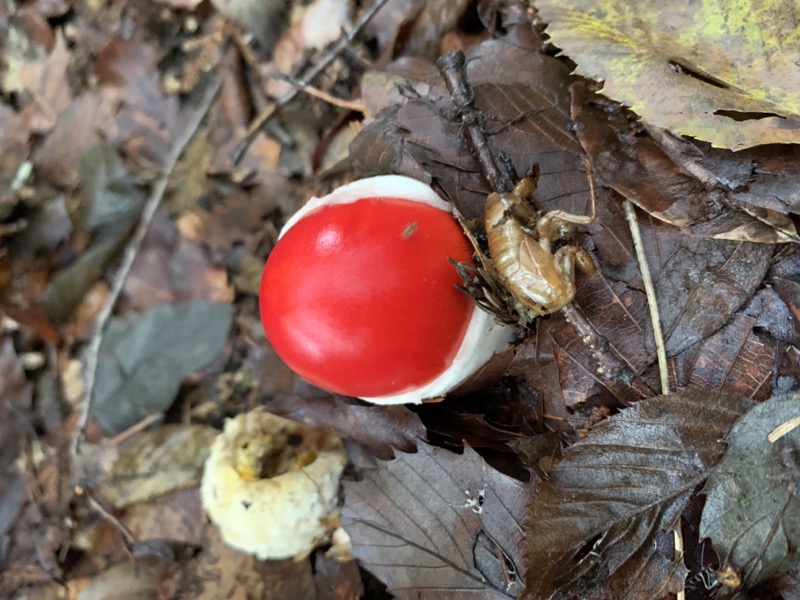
359 297
272 485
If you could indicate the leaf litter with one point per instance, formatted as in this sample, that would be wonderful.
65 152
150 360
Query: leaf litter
589 531
436 524
94 105
752 514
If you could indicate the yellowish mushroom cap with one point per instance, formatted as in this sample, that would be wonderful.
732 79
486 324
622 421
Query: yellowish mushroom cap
271 485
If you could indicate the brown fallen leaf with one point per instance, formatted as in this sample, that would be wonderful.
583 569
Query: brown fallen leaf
129 580
705 191
337 579
222 572
264 366
163 460
595 520
381 428
699 283
46 82
436 524
57 160
736 360
148 118
238 218
172 269
524 106
175 517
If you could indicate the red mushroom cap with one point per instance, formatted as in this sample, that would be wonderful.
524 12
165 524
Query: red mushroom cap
358 296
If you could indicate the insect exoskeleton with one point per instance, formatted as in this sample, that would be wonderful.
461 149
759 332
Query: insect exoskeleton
543 282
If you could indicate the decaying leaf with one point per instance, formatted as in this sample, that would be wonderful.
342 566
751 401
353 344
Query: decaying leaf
143 358
699 282
752 513
58 159
16 394
96 97
381 428
235 219
172 269
129 580
708 192
106 206
598 515
522 98
222 572
174 519
736 360
46 83
724 72
438 525
162 460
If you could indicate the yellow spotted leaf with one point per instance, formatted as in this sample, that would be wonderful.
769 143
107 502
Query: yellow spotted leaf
723 71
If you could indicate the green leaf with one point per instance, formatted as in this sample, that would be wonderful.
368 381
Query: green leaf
144 358
596 520
723 71
752 514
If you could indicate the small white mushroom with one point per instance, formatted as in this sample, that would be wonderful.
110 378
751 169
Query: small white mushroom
271 485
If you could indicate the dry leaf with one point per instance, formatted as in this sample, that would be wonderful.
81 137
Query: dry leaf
162 460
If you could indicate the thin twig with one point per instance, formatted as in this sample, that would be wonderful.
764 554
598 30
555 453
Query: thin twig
650 292
343 42
322 95
452 67
131 251
101 506
610 369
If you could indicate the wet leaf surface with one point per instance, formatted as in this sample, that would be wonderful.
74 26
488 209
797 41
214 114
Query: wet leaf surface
436 524
595 518
380 428
525 104
752 512
706 191
736 360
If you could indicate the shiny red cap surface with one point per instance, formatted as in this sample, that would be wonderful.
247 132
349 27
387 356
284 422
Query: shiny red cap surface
360 299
